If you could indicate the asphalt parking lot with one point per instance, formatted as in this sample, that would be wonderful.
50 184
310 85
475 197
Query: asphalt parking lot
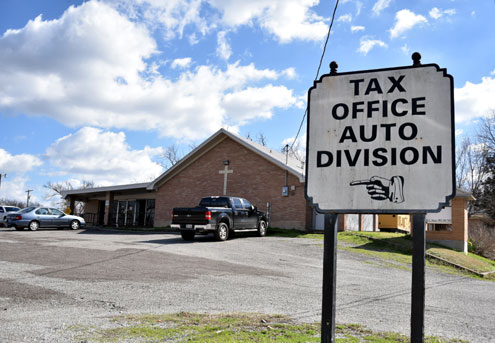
54 280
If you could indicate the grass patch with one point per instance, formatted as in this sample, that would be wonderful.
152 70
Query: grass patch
384 245
397 248
472 262
237 327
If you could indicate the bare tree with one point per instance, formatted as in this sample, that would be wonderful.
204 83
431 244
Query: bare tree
261 138
18 203
486 132
470 170
170 156
482 234
296 152
56 189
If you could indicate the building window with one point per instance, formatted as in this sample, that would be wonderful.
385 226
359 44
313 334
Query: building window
439 227
150 212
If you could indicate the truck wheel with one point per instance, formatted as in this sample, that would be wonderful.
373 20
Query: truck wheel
222 232
187 235
262 228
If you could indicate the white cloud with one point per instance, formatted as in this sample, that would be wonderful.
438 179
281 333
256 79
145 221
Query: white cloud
405 20
367 44
346 18
257 102
290 73
475 100
171 16
13 186
459 132
18 164
181 63
405 49
223 47
436 13
380 5
357 28
89 68
287 20
103 157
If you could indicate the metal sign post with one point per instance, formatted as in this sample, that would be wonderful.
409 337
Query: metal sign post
329 278
376 139
418 279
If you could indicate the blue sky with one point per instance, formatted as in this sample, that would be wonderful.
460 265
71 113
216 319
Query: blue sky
98 90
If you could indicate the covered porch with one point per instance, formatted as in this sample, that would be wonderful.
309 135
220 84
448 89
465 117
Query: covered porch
122 205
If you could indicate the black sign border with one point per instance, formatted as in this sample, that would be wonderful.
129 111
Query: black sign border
375 211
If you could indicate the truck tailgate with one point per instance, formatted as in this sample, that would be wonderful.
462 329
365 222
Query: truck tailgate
196 215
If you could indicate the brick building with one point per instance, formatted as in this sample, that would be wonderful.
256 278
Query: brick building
242 168
225 161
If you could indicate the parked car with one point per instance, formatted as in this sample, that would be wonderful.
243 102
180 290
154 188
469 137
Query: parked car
36 217
4 210
219 215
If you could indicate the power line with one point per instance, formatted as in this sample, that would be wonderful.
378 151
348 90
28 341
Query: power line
318 71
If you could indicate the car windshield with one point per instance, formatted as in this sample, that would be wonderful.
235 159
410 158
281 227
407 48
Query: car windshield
12 209
27 209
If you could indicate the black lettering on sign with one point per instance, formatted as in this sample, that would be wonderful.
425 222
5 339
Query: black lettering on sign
379 154
344 112
356 85
348 133
387 130
409 159
396 84
373 86
427 150
412 134
362 134
372 109
320 155
356 110
416 106
379 157
393 108
352 161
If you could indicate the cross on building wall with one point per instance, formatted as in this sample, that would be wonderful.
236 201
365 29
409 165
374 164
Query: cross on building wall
225 173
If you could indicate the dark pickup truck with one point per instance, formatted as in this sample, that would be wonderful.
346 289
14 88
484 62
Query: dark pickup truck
220 215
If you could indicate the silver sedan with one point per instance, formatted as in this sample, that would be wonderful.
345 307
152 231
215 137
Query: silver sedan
36 217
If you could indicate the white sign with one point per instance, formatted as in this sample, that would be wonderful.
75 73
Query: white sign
442 217
381 141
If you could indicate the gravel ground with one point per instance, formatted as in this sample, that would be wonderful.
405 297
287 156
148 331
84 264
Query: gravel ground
55 282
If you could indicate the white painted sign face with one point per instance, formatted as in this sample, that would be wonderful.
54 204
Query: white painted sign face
381 141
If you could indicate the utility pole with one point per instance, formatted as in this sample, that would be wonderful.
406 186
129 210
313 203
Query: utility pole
4 176
28 196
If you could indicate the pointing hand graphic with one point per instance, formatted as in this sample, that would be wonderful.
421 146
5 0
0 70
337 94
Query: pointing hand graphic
380 188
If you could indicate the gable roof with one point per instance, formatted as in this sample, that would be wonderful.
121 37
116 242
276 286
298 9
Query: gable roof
460 193
293 166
